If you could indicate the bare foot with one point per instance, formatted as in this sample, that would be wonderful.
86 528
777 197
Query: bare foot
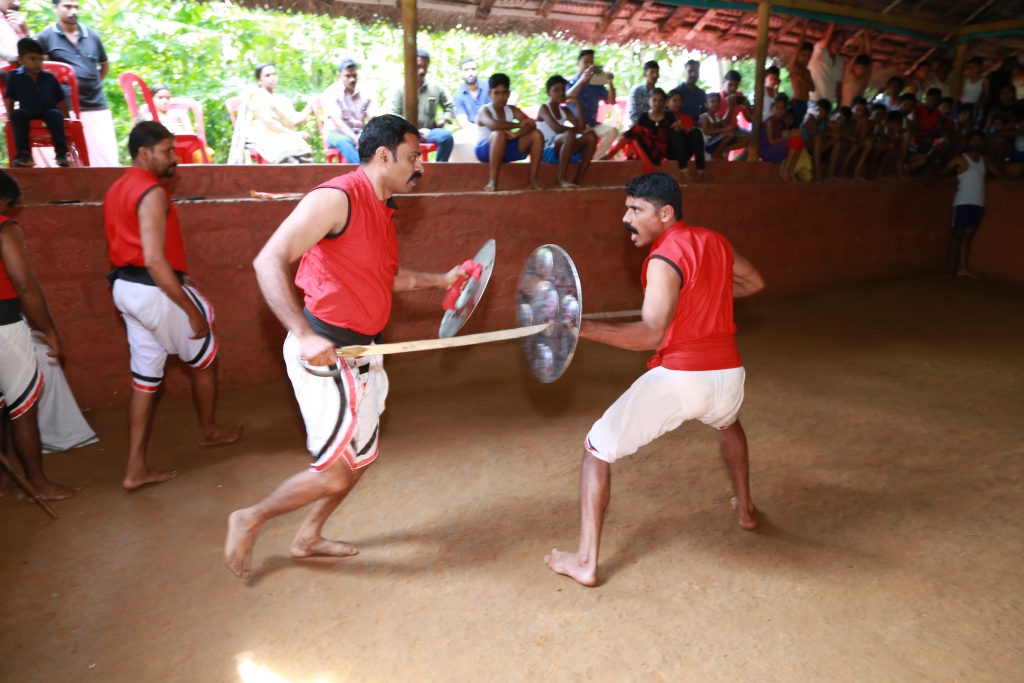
242 530
534 185
566 183
221 436
963 272
137 480
748 517
322 546
491 186
569 565
48 490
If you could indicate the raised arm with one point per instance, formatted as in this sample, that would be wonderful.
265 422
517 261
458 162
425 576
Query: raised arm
745 278
33 303
152 214
661 298
316 216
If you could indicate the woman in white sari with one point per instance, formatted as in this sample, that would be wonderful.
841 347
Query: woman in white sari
268 123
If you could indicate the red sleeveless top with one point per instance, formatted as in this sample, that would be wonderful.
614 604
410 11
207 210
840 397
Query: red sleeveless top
121 219
7 290
702 333
348 278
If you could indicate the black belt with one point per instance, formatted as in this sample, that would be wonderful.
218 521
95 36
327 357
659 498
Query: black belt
10 311
139 274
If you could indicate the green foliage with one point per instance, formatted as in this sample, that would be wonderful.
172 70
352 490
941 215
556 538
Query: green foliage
208 50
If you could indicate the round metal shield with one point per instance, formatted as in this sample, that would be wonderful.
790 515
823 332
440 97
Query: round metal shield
549 291
472 291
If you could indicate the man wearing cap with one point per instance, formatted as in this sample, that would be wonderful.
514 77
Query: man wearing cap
347 110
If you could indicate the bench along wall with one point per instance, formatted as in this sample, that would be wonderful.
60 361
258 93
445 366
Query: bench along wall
804 238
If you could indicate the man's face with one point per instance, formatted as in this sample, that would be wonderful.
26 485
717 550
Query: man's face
32 62
160 160
405 166
585 62
67 11
731 87
692 74
421 68
162 100
643 221
771 80
469 73
349 78
268 78
651 76
931 101
976 144
499 96
557 93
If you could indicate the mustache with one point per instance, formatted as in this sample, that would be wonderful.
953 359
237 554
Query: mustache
630 229
416 175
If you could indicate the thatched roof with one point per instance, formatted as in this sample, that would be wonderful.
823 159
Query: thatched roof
727 28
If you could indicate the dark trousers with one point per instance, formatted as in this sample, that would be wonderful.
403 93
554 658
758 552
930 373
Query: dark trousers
21 119
683 145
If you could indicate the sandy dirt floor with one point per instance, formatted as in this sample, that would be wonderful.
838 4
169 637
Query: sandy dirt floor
886 426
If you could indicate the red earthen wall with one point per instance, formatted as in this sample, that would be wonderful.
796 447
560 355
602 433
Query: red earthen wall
804 238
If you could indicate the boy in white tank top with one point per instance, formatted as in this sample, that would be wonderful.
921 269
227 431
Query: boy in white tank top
969 202
506 134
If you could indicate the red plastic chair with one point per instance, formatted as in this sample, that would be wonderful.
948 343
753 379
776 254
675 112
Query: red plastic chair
631 150
38 136
334 156
184 145
232 104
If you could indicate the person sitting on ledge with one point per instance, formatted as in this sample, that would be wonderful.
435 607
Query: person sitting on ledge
653 129
431 96
38 97
506 134
268 123
720 134
175 120
566 137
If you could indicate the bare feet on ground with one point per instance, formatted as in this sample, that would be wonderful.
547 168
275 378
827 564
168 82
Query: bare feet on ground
566 183
322 546
491 186
242 530
569 565
137 480
748 517
48 490
221 436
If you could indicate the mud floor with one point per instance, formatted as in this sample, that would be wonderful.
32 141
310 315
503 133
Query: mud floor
886 426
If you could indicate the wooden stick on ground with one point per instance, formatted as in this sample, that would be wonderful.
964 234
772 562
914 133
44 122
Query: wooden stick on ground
25 486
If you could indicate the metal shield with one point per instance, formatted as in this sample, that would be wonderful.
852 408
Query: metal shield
549 291
472 291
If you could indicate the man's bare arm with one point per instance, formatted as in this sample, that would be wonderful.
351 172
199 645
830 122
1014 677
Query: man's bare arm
660 301
485 119
413 280
152 214
30 293
745 278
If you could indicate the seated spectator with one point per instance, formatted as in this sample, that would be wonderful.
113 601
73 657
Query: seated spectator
890 97
346 111
858 139
720 133
873 147
687 139
814 127
928 139
175 120
908 107
471 96
431 96
771 91
1005 106
506 134
692 99
590 86
640 95
834 144
734 104
267 122
653 131
35 95
775 138
917 84
896 143
566 137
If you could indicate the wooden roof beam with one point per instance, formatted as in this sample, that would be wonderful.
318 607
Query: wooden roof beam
611 15
638 14
699 26
674 20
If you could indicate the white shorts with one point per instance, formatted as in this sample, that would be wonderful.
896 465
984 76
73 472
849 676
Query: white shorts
341 414
21 382
659 401
158 327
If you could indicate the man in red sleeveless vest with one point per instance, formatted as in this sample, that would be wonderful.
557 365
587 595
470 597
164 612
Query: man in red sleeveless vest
163 312
689 280
343 237
21 381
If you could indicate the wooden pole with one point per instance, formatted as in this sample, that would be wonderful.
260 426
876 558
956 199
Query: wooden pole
958 70
409 28
763 18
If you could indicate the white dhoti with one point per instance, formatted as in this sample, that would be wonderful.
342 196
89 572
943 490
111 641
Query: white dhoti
61 424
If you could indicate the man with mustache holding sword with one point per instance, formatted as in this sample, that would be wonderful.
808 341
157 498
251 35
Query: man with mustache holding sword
345 237
689 280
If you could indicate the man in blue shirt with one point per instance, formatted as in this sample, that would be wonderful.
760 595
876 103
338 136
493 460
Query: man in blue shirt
80 48
471 96
38 96
694 98
586 91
